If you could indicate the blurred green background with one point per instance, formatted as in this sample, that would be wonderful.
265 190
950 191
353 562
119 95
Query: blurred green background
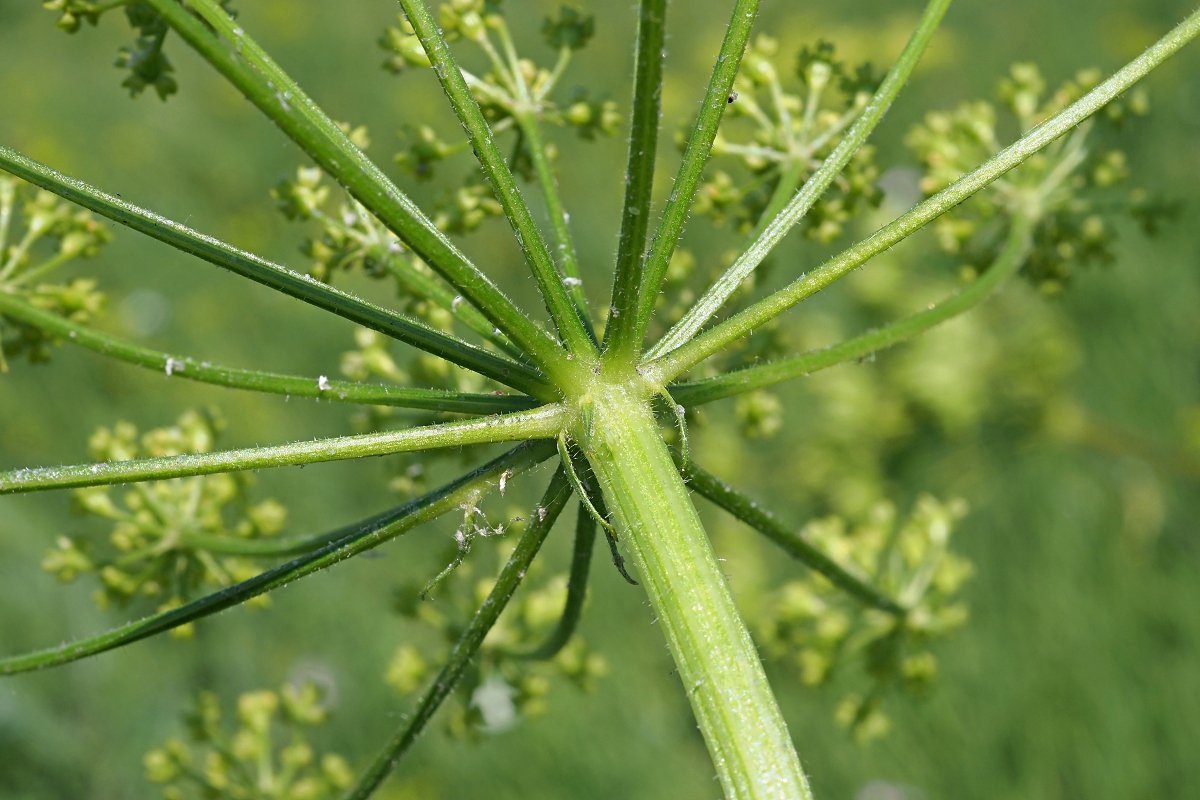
1079 673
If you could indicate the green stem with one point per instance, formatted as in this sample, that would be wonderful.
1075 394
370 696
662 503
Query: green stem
47 266
544 517
301 287
620 334
1016 250
542 423
262 82
344 543
753 514
718 663
568 258
676 363
562 309
813 189
252 380
691 171
577 585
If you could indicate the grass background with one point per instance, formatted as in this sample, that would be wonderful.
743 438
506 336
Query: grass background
1077 677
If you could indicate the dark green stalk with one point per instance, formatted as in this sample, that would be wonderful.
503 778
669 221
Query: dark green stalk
747 380
269 88
675 363
562 309
753 514
813 188
621 329
344 543
542 423
543 519
301 287
691 171
568 258
255 381
577 585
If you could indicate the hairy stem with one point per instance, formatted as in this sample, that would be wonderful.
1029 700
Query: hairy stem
543 423
562 309
252 380
691 171
1016 250
718 663
621 332
679 361
813 189
301 287
344 543
543 519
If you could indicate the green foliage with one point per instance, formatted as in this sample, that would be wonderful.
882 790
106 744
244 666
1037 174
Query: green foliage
501 687
571 30
267 755
168 538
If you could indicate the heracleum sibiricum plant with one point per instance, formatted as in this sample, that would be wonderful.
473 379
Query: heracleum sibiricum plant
600 398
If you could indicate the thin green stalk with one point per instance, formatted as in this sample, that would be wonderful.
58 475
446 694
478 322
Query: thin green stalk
620 334
562 309
269 88
252 380
543 519
718 663
813 188
46 267
568 259
1016 250
301 287
749 511
577 585
679 361
691 171
344 543
542 423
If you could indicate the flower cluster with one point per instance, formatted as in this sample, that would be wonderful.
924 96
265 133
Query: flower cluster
168 538
1072 187
504 686
267 756
514 86
39 234
813 624
788 137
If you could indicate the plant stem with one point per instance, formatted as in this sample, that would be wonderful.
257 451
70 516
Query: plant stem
301 287
577 585
543 519
275 94
749 511
813 189
718 663
562 309
676 363
1016 250
344 543
691 171
559 221
252 380
621 331
542 423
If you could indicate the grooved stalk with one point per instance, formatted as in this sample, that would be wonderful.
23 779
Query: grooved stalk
718 664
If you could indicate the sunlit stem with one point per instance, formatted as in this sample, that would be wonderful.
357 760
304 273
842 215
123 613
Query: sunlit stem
542 423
